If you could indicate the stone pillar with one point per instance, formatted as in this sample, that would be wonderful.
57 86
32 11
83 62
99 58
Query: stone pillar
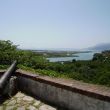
11 87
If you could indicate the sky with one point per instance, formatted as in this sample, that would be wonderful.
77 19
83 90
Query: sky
41 24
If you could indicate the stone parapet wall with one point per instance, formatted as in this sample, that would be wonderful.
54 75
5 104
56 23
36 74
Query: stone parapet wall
69 94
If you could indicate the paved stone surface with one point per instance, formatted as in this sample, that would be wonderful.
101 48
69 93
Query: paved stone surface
23 102
46 107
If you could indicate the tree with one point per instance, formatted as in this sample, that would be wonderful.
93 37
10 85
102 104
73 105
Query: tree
7 52
98 56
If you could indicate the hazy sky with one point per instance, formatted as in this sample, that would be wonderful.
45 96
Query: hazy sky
55 23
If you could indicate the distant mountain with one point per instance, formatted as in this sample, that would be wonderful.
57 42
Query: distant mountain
100 47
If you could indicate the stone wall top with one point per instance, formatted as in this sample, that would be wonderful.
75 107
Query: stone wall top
91 90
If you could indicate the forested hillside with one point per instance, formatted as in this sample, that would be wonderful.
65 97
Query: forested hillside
95 71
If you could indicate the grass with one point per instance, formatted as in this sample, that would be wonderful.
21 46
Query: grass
3 67
44 72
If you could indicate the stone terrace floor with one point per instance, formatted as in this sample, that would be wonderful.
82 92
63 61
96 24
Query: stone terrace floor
24 102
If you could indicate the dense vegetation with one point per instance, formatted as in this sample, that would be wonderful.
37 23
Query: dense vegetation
95 71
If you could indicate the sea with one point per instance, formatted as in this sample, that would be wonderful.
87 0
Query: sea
77 56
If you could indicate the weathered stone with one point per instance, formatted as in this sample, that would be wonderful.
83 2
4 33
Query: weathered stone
91 104
106 105
28 98
7 101
21 108
19 95
18 100
23 102
12 102
10 107
36 103
12 86
1 107
32 108
46 107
